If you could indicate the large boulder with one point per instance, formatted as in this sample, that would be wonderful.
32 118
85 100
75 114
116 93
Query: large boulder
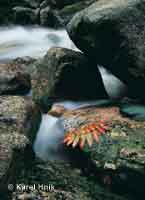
113 33
19 121
65 74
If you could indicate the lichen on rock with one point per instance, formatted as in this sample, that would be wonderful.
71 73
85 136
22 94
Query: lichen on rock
19 121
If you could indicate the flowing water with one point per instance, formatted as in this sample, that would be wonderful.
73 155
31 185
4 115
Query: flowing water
49 140
114 87
30 41
34 41
21 41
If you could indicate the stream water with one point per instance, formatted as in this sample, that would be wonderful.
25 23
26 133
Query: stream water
35 41
30 41
49 140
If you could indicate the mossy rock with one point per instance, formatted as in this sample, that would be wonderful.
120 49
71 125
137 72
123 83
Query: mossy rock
118 160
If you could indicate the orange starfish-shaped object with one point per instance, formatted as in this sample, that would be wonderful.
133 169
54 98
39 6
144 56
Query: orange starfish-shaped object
88 133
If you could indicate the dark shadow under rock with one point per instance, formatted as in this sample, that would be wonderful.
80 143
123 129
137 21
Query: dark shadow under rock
65 74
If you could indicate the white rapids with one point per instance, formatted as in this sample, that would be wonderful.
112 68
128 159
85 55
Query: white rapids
30 41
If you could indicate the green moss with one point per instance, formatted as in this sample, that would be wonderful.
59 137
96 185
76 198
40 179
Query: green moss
71 9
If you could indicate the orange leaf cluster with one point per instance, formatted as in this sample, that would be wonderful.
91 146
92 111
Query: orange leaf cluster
86 133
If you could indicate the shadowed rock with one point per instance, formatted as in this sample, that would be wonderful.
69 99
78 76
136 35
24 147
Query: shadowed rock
67 182
112 32
65 74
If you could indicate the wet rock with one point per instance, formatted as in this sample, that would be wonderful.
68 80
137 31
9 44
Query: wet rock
6 9
14 79
117 160
31 4
65 74
25 15
49 18
15 76
134 111
60 3
19 121
57 110
23 62
68 11
28 12
65 182
114 37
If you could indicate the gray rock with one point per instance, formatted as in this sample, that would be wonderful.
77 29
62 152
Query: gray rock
69 10
31 4
14 80
7 13
113 34
65 74
60 3
19 121
49 18
25 15
15 76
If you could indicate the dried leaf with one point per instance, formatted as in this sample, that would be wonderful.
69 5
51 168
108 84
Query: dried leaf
85 133
82 142
96 137
89 140
75 142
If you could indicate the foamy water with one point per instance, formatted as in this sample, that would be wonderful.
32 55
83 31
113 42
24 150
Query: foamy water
30 41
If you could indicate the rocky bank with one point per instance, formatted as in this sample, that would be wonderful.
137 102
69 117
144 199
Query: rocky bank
19 120
40 12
